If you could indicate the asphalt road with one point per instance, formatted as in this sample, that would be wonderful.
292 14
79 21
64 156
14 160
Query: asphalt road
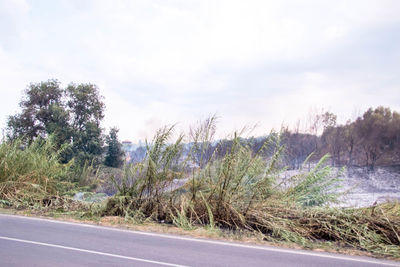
39 242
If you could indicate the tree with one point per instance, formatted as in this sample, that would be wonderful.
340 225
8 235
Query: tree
87 111
333 139
395 132
72 115
86 104
328 120
43 114
114 156
298 146
374 134
349 142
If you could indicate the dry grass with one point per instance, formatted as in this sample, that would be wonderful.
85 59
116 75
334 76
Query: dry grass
238 191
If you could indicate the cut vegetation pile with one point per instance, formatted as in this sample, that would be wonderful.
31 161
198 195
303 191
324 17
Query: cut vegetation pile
235 188
374 229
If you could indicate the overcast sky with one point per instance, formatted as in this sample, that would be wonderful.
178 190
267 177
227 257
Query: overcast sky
162 62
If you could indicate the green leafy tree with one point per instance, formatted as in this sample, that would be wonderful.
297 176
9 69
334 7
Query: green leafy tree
72 116
115 155
43 114
86 104
87 111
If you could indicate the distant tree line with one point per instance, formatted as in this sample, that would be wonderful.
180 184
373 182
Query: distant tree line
72 116
370 140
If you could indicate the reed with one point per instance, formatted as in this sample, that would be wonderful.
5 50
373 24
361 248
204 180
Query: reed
30 173
235 188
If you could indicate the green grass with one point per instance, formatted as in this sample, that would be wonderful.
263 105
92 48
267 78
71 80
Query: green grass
30 173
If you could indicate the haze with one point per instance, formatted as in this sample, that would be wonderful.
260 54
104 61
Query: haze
162 62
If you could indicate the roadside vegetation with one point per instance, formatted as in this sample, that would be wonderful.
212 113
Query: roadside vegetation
221 186
242 190
32 173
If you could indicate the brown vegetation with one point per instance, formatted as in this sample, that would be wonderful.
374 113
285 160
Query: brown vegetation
240 190
372 139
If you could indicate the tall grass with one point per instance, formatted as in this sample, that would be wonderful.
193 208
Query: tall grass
143 186
315 187
234 187
232 175
30 173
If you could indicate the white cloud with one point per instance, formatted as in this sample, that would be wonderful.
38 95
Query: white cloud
14 8
173 61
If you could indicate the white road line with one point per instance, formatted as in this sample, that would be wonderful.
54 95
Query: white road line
90 251
265 248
